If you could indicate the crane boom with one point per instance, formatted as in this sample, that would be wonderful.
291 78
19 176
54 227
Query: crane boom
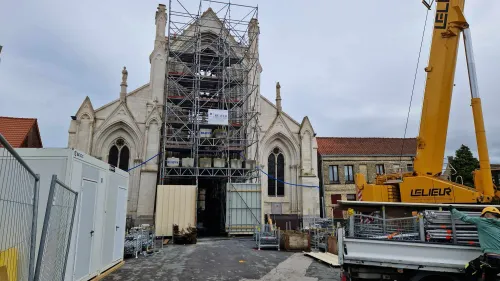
424 184
482 177
431 142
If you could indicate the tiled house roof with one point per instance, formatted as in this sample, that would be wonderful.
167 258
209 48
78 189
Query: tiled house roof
366 146
16 130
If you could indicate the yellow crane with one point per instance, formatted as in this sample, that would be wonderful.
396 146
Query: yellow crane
424 184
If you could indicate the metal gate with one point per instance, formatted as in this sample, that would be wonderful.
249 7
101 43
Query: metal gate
243 207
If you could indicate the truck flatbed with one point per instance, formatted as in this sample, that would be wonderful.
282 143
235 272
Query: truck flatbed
406 255
376 246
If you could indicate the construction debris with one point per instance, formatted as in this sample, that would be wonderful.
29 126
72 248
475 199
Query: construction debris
188 236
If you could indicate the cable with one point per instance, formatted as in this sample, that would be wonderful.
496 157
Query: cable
413 87
144 162
269 176
284 182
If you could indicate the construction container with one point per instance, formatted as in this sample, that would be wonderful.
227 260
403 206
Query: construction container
219 162
205 162
205 133
175 204
236 163
98 233
220 134
188 162
172 162
250 164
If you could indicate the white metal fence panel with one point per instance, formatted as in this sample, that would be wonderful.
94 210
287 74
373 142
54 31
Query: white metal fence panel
56 232
18 213
243 207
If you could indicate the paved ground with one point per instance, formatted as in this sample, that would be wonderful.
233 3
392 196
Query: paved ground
223 259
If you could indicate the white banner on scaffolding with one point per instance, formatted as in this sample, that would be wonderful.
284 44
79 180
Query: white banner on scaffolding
217 117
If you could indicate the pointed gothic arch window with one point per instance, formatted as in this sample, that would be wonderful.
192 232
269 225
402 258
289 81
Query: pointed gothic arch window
119 154
113 155
124 156
276 171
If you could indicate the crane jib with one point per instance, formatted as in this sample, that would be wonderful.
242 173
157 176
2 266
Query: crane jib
442 15
431 192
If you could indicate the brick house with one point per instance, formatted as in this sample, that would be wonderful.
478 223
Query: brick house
21 132
341 158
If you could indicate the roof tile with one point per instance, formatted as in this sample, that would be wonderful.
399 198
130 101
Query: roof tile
366 146
16 129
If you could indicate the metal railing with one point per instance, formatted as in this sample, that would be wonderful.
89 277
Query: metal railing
56 233
18 214
373 227
140 239
319 230
267 236
430 226
440 227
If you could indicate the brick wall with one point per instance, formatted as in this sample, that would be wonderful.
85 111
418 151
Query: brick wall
32 140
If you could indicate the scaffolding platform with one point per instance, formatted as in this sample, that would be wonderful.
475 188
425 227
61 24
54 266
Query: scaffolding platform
210 132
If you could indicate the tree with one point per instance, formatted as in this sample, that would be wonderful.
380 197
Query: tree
464 163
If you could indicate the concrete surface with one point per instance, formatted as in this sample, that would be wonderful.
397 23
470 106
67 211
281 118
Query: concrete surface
223 259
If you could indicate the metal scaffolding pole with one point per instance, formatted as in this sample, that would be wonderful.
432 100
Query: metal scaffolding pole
211 120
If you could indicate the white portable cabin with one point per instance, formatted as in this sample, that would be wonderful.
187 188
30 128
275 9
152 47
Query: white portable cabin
98 235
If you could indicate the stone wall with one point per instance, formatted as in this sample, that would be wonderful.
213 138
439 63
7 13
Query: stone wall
347 188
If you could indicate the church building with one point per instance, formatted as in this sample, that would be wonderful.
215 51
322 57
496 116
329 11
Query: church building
127 132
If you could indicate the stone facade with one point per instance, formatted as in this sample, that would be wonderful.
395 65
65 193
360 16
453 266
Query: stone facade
297 142
333 154
133 121
347 190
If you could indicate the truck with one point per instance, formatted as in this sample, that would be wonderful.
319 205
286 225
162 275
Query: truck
425 184
400 231
407 241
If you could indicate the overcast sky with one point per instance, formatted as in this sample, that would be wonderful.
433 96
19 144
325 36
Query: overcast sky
348 65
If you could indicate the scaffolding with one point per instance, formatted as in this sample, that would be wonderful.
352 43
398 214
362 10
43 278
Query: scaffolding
211 117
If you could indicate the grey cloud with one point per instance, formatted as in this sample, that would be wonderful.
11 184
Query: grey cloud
348 65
